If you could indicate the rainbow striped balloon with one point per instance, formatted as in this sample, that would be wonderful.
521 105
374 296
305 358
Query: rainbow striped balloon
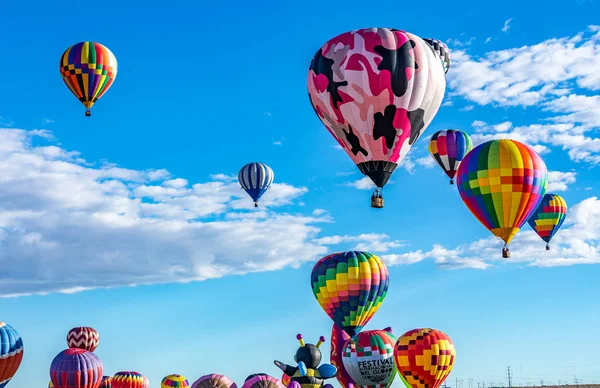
502 182
88 69
128 379
174 381
448 148
548 217
350 287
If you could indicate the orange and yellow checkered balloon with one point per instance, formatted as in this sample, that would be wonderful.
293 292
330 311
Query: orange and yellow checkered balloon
424 357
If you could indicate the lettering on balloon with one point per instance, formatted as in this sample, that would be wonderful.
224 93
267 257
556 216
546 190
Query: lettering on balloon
376 371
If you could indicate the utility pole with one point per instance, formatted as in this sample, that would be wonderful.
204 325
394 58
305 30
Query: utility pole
509 375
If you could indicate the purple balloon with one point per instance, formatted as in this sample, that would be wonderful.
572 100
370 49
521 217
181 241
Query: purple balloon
76 368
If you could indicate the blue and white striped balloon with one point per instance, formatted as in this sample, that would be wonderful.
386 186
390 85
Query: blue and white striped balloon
256 179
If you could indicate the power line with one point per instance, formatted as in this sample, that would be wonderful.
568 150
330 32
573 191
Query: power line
509 375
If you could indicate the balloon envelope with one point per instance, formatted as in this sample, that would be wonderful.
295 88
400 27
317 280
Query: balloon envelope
127 379
448 148
350 287
369 358
256 179
376 90
88 69
214 381
11 353
76 368
549 216
424 357
502 182
106 382
174 381
86 338
263 381
338 340
442 50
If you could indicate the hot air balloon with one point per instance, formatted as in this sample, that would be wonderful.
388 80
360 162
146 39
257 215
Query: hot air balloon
350 287
448 148
75 367
11 353
502 182
50 385
548 217
214 381
338 340
86 338
285 379
369 358
308 373
88 69
106 382
376 90
263 381
442 50
424 357
256 179
174 381
128 379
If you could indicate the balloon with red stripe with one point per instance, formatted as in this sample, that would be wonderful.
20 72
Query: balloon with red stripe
76 368
11 353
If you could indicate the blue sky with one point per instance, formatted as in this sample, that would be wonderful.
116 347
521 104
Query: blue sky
141 192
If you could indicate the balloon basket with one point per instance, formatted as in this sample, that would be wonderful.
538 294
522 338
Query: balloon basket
547 247
506 253
88 113
377 202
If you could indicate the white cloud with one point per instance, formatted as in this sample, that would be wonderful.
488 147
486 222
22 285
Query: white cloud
364 183
467 108
65 226
559 181
370 242
277 143
488 40
47 121
427 162
578 242
506 26
348 173
529 74
268 114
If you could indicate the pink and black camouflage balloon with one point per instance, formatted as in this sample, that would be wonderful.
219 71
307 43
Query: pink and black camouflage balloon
376 90
76 368
442 50
86 338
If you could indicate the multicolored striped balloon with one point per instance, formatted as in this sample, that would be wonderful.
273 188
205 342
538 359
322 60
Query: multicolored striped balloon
76 368
128 379
88 69
502 182
350 287
338 340
256 179
448 148
424 357
548 217
86 338
214 380
174 381
11 353
369 358
106 382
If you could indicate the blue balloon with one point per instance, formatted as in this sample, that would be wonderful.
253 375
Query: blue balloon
11 353
256 179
